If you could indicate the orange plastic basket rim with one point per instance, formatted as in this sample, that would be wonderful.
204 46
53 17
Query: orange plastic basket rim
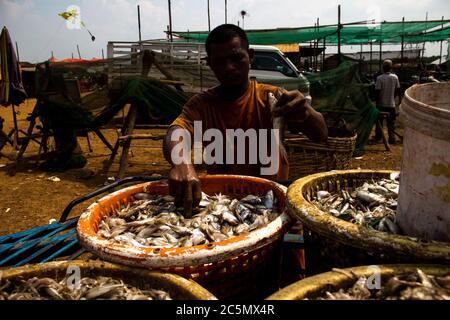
157 257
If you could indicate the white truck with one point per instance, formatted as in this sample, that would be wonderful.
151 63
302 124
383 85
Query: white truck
269 64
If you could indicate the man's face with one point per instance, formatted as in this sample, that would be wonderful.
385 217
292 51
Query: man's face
230 62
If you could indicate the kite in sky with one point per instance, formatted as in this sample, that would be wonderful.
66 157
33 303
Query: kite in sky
72 15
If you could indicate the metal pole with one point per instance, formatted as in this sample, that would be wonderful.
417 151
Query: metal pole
103 54
339 34
52 53
72 55
225 11
139 23
370 64
78 49
209 18
170 22
440 52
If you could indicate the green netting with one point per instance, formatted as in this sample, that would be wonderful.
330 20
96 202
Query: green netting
107 86
438 35
340 94
387 32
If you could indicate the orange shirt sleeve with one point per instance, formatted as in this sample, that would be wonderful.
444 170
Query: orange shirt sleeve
191 112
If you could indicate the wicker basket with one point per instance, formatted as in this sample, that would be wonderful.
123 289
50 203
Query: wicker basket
245 266
332 242
316 286
307 157
178 287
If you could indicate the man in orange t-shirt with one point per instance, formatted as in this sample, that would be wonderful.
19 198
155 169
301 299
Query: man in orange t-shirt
237 103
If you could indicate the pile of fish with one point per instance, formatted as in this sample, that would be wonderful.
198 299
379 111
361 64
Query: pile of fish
88 289
414 286
154 220
372 205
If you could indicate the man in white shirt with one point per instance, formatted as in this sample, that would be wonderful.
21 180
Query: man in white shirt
386 88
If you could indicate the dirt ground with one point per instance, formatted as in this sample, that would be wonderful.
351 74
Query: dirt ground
29 197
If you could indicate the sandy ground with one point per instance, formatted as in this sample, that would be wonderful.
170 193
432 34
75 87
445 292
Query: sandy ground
29 198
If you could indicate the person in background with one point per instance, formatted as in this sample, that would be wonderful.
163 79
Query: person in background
387 87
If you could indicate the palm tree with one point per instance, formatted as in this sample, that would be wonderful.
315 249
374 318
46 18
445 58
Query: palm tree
243 15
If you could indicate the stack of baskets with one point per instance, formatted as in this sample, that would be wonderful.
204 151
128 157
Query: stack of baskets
307 157
242 267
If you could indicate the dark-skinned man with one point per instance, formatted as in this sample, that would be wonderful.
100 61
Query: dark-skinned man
236 103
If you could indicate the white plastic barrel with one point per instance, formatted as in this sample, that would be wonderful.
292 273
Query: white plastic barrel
424 196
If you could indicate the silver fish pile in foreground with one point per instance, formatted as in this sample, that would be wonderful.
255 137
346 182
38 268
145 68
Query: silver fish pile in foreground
414 286
89 289
372 205
154 220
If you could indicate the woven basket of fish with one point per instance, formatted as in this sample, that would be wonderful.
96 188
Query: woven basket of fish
89 280
231 245
349 220
307 157
380 282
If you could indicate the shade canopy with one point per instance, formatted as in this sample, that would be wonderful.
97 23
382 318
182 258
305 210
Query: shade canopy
386 32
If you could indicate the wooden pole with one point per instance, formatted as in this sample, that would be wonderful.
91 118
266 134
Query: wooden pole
402 44
18 57
323 54
316 48
225 11
170 22
78 49
339 34
440 51
423 46
139 23
360 58
209 18
380 57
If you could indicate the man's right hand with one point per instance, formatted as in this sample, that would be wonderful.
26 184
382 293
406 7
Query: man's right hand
184 185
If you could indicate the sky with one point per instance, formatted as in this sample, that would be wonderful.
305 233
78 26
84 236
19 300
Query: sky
38 30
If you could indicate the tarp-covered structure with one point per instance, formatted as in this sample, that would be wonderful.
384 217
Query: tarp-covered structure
106 86
385 32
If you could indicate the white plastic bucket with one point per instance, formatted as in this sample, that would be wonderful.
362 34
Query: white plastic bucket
424 198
